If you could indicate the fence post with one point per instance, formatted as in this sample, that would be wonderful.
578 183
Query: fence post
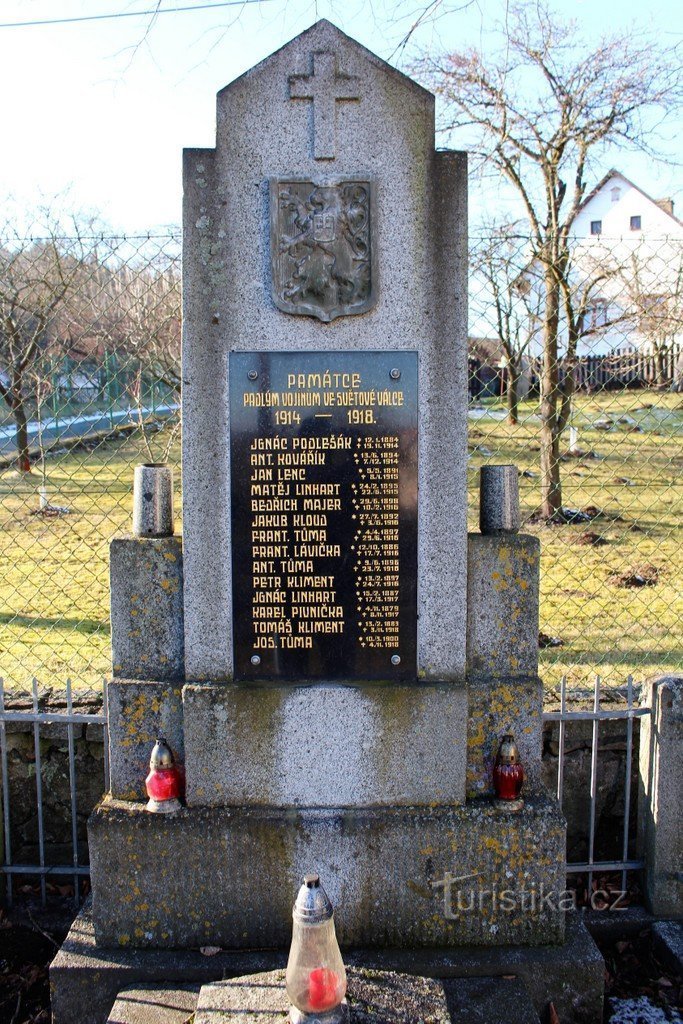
660 823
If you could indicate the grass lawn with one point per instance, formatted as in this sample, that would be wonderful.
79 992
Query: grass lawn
605 628
54 571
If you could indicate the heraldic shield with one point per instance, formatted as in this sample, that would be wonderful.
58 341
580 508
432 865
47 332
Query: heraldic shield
322 247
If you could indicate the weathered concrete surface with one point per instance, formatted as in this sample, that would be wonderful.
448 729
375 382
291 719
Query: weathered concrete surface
660 822
502 606
154 1004
146 577
374 997
420 230
325 746
496 707
489 1001
85 978
139 712
667 942
386 869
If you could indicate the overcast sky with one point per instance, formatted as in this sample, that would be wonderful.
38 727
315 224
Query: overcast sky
104 108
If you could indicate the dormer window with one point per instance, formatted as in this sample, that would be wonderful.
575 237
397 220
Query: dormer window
616 194
596 227
635 223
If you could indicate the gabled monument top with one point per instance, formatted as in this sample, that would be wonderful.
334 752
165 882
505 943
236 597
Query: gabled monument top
314 40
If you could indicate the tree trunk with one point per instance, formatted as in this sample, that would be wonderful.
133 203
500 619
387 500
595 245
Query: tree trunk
660 367
551 485
21 424
513 375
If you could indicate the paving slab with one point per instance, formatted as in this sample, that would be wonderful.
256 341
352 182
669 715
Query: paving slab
154 1004
375 997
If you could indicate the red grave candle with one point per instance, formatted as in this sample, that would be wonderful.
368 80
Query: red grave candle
508 773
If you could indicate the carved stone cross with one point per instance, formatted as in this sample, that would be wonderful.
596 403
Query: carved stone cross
325 86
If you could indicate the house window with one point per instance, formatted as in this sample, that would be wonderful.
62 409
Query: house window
635 223
616 193
596 227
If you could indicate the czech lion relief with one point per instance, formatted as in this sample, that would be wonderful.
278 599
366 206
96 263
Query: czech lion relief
322 247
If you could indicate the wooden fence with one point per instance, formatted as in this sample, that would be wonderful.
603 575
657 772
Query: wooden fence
622 368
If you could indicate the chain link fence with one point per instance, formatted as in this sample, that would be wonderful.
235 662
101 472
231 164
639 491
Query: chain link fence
90 386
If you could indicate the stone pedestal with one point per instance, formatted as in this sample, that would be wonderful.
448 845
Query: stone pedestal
140 711
146 577
403 877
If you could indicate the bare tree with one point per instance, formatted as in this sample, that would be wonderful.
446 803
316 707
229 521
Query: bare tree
652 299
505 301
35 276
132 311
542 110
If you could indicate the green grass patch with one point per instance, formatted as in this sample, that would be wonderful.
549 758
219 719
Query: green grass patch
637 480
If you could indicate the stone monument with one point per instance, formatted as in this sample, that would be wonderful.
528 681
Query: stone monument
325 650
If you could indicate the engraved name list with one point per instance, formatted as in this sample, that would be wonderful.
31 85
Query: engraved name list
324 498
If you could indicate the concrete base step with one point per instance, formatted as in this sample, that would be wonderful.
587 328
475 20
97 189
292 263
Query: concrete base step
463 1000
490 1001
375 997
667 942
85 978
155 1004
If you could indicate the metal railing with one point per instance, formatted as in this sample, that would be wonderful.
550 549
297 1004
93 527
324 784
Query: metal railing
70 718
596 715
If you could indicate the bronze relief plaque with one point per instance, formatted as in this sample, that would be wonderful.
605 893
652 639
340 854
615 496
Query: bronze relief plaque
322 250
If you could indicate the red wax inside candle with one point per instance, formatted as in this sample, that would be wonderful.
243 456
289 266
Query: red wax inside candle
323 988
164 783
507 780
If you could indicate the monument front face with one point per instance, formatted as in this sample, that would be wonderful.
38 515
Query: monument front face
325 233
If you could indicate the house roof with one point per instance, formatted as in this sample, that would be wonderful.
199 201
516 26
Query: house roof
614 173
488 350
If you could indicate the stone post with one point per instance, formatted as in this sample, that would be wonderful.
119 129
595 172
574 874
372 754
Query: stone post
146 577
660 823
505 693
153 501
499 499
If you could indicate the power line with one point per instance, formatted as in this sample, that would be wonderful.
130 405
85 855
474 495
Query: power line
130 14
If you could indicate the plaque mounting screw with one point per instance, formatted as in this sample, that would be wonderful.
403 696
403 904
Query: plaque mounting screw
395 374
255 660
253 375
395 659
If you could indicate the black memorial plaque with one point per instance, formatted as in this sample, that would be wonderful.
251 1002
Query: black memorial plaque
324 515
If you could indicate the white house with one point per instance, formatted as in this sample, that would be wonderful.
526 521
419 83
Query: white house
628 256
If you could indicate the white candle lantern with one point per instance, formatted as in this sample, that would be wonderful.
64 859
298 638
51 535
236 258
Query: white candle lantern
316 978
